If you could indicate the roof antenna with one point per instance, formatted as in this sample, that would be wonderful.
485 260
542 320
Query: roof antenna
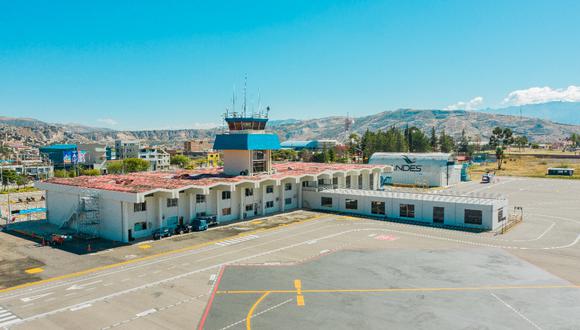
245 85
259 103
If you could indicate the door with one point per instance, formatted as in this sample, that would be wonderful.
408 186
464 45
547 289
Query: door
255 209
130 235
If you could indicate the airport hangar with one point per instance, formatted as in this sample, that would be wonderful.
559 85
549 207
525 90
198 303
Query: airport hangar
132 206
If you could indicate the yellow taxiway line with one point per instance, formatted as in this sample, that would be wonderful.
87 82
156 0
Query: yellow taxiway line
380 290
251 312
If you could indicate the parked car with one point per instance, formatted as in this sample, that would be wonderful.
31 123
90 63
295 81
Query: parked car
162 232
182 229
209 219
199 225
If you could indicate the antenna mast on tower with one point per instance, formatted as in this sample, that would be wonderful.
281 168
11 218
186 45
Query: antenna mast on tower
245 85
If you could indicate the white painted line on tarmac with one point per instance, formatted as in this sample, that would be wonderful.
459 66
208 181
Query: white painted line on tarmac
312 242
27 305
372 235
27 299
258 314
324 251
517 312
147 312
79 307
108 284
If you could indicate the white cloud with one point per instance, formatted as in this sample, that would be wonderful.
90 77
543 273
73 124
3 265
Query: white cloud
542 95
108 121
472 104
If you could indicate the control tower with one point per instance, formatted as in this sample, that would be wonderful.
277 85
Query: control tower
246 146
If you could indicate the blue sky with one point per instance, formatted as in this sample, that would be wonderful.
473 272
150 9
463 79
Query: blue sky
172 64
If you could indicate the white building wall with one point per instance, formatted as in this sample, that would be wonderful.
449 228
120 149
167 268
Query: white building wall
454 213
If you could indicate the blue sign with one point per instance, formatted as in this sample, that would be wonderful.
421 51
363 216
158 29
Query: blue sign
34 210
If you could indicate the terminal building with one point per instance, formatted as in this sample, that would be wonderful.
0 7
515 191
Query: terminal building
128 207
418 169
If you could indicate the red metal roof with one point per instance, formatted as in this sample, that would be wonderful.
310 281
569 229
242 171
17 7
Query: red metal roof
147 181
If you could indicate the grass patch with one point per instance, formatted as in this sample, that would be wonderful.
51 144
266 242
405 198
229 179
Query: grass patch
19 190
526 166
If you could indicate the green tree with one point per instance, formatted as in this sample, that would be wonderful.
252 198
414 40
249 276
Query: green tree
180 160
521 142
284 154
90 172
331 155
500 139
433 139
61 173
446 142
9 177
136 165
113 167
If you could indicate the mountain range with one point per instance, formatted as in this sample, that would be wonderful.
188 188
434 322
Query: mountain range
477 124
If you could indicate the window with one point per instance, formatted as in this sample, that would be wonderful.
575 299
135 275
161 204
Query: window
287 186
320 181
269 204
269 189
335 181
348 181
140 226
473 217
140 207
371 181
249 207
249 192
377 207
407 210
288 201
500 215
171 202
227 211
226 194
351 204
326 201
200 214
360 181
199 199
438 214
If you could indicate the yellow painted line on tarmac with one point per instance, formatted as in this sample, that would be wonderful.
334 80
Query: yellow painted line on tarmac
34 270
380 290
153 256
251 312
144 246
299 296
256 222
300 300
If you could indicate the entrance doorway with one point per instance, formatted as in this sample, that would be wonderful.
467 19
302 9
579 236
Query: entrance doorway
438 214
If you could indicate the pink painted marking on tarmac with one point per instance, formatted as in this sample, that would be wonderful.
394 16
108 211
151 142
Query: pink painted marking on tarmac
210 302
386 237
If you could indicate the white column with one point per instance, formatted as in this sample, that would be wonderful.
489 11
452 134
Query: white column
125 221
242 202
218 212
282 196
191 207
354 181
299 187
159 210
365 181
263 190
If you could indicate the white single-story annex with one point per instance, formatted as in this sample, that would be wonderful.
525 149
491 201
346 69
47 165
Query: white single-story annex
483 212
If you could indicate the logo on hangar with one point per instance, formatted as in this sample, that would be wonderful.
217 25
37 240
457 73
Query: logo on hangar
410 165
